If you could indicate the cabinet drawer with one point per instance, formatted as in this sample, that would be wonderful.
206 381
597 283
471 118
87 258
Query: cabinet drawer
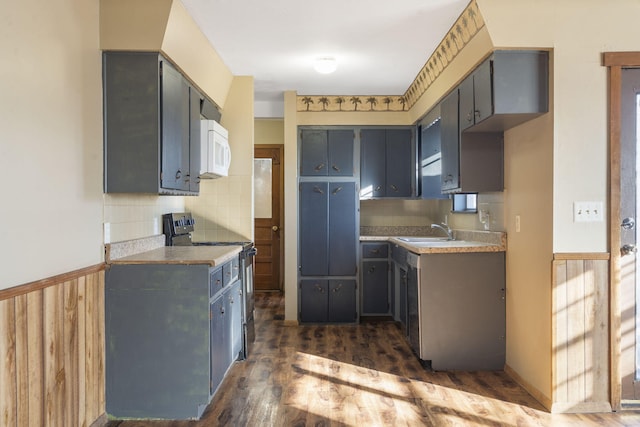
375 250
215 281
230 271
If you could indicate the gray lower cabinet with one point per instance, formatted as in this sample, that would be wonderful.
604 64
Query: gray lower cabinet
375 279
462 310
324 300
171 333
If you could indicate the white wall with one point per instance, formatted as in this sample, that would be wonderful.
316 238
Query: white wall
50 139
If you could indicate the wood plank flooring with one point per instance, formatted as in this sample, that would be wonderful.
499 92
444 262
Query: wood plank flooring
362 375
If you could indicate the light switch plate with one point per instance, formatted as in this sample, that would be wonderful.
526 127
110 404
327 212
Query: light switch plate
588 212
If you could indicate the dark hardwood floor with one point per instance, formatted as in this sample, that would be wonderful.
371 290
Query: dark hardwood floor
362 375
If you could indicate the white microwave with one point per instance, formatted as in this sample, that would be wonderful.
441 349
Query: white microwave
215 154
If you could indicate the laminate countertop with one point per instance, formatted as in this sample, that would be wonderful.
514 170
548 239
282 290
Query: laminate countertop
211 255
465 242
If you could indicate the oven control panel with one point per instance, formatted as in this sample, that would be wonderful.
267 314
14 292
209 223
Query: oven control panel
178 223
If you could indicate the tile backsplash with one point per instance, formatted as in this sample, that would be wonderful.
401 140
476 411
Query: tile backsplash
419 213
133 216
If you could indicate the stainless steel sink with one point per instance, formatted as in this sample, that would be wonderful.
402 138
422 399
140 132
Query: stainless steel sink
438 242
422 239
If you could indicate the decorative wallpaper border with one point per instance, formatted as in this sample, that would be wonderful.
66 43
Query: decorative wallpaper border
459 35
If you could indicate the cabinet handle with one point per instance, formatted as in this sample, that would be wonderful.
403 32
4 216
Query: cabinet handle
394 188
335 168
477 114
337 190
319 288
319 167
469 117
337 288
378 188
178 174
372 269
374 251
221 310
318 190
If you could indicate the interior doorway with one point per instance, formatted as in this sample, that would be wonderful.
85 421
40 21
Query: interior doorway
269 221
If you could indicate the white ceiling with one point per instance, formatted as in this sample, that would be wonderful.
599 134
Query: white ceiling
380 45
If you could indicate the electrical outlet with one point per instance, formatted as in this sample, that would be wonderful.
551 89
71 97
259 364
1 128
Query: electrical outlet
517 223
588 212
107 232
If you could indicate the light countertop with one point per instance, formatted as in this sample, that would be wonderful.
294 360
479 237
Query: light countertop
466 242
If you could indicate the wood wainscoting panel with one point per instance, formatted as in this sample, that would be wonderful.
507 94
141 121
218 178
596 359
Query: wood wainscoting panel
580 333
52 352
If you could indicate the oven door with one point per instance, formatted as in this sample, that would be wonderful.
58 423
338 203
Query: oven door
247 260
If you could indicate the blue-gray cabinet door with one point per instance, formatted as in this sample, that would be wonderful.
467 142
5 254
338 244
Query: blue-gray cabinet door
482 92
234 300
342 242
375 287
218 349
314 221
131 122
399 166
193 180
430 163
342 301
466 103
314 155
314 300
372 163
450 142
326 152
340 152
175 129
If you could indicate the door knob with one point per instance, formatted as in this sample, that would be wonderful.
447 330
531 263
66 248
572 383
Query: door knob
628 249
628 223
274 228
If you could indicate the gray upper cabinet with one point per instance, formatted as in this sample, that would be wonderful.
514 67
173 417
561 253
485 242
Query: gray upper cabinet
471 162
151 126
508 88
326 152
387 163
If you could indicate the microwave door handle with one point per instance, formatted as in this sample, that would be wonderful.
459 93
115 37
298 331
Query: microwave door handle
210 148
228 156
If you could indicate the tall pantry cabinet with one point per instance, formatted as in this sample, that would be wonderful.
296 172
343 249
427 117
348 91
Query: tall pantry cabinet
328 223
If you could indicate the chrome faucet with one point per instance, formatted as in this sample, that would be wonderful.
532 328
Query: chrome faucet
446 229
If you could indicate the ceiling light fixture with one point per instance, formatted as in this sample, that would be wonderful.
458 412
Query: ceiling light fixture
325 65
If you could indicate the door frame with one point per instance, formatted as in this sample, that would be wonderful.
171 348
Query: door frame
615 62
282 231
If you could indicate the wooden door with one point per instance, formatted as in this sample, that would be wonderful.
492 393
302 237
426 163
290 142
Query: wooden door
269 238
